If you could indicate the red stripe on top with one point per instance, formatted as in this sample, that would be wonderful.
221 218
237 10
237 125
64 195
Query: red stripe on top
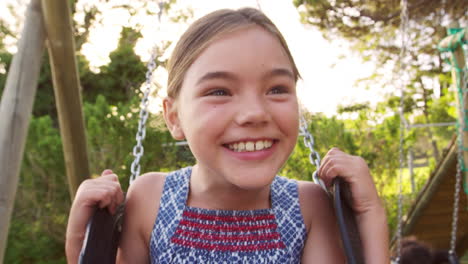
230 238
227 218
226 228
207 246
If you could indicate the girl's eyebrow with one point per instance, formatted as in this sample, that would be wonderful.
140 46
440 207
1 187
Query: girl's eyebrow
230 76
280 72
216 75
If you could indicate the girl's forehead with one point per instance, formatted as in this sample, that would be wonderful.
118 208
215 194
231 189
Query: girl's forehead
247 50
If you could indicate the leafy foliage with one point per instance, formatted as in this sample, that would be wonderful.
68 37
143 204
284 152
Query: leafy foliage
5 61
373 30
42 198
120 79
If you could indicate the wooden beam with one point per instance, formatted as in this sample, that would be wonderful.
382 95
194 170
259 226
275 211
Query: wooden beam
61 48
427 193
15 111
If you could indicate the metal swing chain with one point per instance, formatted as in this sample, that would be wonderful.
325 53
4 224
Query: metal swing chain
462 86
404 21
138 149
314 156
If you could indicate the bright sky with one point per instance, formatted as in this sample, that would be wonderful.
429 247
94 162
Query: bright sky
328 80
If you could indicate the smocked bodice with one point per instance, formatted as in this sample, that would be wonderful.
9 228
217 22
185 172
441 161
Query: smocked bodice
184 234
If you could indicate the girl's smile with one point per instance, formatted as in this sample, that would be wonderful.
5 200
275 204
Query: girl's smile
250 145
251 149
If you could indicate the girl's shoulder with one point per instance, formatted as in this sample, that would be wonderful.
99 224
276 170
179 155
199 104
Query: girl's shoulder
145 187
147 181
313 200
146 190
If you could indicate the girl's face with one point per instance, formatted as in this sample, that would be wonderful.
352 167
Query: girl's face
238 110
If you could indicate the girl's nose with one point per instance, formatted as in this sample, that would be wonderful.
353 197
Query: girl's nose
252 112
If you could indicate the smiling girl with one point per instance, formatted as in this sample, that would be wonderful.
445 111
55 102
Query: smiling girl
232 96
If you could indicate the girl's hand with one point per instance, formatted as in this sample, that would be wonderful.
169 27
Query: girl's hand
370 213
355 172
101 192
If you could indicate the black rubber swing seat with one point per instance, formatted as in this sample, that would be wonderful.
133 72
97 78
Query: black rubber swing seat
102 237
103 231
347 224
453 259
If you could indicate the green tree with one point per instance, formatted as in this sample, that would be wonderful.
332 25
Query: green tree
41 200
120 80
5 61
372 29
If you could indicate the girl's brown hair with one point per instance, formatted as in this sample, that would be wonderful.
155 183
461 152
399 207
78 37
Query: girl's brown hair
207 29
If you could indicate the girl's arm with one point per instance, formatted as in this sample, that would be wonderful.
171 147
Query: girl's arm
366 203
323 243
103 192
374 235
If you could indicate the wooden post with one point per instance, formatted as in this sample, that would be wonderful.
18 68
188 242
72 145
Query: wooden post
458 59
15 111
61 48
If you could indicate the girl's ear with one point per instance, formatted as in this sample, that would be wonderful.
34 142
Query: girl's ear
171 117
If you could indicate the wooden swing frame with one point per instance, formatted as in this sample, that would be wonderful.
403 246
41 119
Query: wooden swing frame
47 21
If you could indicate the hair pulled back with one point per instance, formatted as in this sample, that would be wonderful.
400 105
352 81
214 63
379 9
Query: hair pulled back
208 29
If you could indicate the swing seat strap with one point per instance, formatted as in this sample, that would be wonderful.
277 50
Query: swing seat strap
102 237
347 222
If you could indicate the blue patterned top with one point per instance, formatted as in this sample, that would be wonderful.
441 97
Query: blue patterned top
184 234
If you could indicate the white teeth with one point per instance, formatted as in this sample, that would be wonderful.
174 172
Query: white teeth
259 145
251 145
241 146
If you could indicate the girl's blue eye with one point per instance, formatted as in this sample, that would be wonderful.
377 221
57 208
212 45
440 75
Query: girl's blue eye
218 92
279 89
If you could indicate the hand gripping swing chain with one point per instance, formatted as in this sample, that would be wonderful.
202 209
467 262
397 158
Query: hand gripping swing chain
341 197
103 229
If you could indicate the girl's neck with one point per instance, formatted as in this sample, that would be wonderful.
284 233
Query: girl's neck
214 193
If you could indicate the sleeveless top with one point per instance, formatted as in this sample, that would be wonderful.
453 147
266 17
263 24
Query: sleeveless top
184 234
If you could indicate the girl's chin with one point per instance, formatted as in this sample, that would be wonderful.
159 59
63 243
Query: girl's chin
246 176
251 181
